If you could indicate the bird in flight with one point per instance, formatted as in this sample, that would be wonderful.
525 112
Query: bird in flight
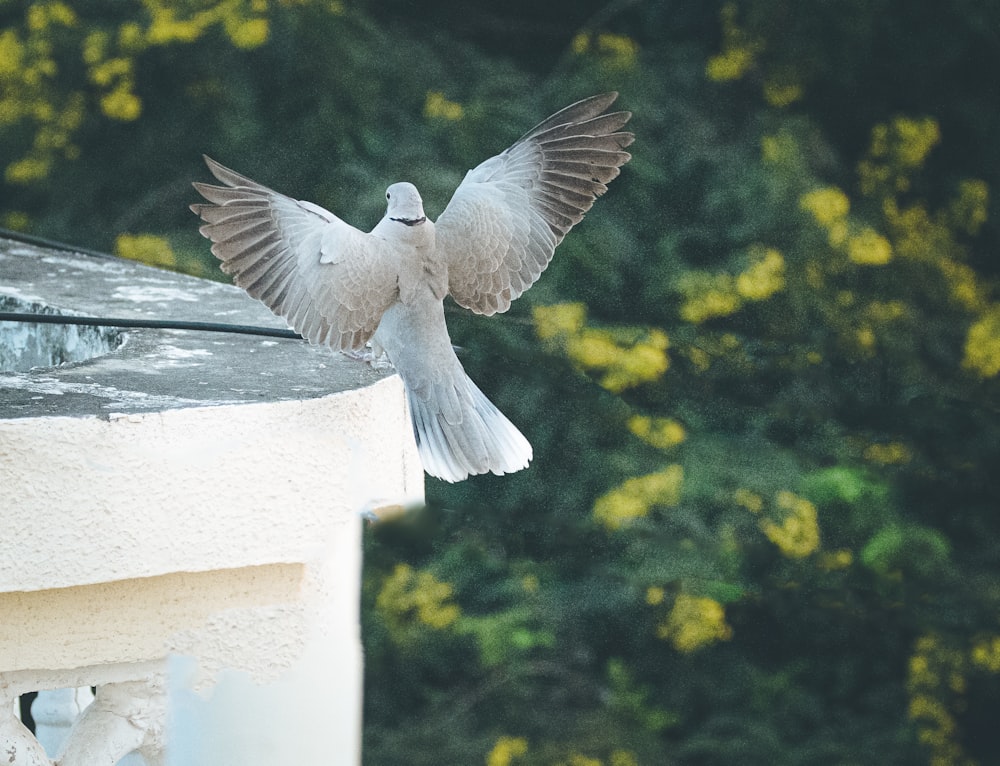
342 288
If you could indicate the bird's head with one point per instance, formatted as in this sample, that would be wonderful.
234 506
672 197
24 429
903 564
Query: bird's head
403 204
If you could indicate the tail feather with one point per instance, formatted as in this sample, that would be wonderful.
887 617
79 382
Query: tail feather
458 430
479 440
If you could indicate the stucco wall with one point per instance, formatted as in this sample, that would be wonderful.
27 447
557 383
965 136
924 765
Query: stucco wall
184 511
197 488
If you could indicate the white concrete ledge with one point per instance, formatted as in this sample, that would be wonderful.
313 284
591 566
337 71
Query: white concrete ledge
175 494
188 490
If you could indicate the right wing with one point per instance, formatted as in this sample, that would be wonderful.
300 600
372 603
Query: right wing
328 280
507 216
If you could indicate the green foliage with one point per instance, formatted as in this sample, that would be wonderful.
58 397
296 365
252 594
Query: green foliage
908 550
840 484
760 378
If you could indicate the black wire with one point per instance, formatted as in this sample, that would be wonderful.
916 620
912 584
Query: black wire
160 324
32 239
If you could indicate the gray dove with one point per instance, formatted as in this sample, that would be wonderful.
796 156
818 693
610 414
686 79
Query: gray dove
342 288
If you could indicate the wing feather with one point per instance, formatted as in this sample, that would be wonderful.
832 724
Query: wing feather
510 213
328 280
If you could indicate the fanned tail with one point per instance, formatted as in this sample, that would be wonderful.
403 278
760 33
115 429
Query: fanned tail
460 432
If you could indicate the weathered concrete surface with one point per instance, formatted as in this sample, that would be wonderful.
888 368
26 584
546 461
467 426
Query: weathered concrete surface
147 370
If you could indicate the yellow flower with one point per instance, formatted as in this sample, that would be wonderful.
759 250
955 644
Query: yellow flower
749 500
165 28
935 682
779 149
627 358
708 296
699 358
94 47
887 311
828 205
831 561
930 709
623 758
407 594
986 654
634 498
836 234
594 349
131 38
655 595
866 339
896 150
916 138
624 367
892 453
663 433
982 345
869 248
36 19
11 53
247 33
963 284
61 13
969 210
920 673
16 220
731 64
764 278
739 50
41 15
782 93
121 104
580 43
695 622
437 107
28 169
614 51
797 536
559 319
873 176
147 248
530 583
115 69
506 750
617 51
710 304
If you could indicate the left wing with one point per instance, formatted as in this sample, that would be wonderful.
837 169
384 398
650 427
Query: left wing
328 280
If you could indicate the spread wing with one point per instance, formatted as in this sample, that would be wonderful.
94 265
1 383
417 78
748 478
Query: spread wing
508 215
328 280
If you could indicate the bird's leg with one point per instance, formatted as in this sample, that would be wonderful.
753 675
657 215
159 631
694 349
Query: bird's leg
378 360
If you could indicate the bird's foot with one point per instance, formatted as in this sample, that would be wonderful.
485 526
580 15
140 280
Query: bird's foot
366 354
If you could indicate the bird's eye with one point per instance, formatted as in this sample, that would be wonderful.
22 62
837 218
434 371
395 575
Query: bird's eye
388 196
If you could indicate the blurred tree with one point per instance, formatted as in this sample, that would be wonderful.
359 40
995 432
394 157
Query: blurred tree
808 357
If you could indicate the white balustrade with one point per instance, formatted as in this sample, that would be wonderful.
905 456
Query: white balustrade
55 711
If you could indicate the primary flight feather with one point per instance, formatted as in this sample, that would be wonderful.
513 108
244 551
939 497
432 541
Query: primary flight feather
342 288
